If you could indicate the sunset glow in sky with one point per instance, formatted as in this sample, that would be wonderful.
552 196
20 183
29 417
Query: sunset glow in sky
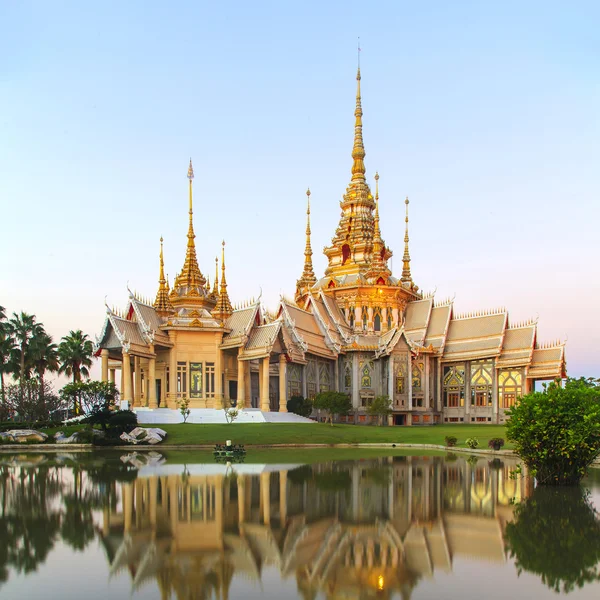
486 115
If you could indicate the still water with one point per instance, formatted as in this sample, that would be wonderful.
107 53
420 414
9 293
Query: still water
155 527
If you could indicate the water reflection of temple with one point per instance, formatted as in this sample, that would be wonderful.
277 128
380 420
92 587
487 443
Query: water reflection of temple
351 530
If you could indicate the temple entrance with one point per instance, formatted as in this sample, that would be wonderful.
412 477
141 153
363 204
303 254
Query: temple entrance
233 387
158 391
399 419
254 391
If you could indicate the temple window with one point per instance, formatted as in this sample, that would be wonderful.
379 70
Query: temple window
351 318
481 382
181 378
366 367
510 387
345 253
167 379
294 377
210 379
195 380
418 367
377 322
311 379
389 318
365 317
454 385
324 377
348 374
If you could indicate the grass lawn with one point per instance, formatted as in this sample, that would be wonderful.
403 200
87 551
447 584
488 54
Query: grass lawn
321 433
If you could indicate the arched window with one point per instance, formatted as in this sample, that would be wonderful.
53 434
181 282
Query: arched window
345 253
389 318
365 317
377 323
351 318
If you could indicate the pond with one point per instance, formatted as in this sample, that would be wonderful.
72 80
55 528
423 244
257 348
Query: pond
154 526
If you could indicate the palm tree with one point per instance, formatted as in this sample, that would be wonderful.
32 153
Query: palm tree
75 353
7 345
22 328
43 356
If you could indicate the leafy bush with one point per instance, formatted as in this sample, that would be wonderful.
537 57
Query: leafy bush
334 403
557 432
381 407
183 405
450 440
556 534
496 443
472 442
300 406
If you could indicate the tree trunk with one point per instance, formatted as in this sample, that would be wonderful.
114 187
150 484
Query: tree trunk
2 387
42 397
22 372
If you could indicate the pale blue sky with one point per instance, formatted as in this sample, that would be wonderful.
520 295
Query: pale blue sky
485 114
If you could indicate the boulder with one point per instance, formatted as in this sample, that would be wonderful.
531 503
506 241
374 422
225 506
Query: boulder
23 435
144 435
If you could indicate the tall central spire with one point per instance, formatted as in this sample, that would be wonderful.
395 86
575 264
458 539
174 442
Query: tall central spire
358 150
190 282
406 276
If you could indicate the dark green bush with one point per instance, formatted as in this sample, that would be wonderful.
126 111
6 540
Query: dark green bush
450 440
300 406
333 403
496 443
557 432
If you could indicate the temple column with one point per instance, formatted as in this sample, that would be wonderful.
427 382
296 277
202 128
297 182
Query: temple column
241 378
241 488
172 400
265 496
358 317
304 382
282 497
152 402
219 401
104 355
112 375
336 374
426 383
126 378
137 386
391 380
395 316
495 407
355 381
265 403
409 386
384 312
282 383
370 318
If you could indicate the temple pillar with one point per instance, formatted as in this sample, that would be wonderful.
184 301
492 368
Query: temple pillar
426 404
409 386
112 375
241 488
358 317
370 318
265 403
395 316
336 375
152 401
304 382
355 381
219 401
172 400
126 378
495 408
137 386
391 380
241 378
282 498
282 383
265 496
104 355
384 325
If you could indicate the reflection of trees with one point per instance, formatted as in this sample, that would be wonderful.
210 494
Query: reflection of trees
42 503
556 534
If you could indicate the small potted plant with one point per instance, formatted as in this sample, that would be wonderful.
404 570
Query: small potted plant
496 443
472 442
450 441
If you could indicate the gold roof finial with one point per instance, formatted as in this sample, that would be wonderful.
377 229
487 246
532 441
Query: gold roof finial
358 150
223 308
307 279
216 284
406 276
162 304
377 230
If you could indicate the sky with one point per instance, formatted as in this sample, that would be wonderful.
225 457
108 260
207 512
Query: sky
485 114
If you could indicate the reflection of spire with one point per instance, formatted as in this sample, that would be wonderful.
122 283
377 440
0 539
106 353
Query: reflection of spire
406 276
162 303
358 150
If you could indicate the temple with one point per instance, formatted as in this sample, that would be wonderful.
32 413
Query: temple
358 329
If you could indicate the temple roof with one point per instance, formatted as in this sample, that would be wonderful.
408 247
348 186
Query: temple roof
417 318
480 336
548 363
517 349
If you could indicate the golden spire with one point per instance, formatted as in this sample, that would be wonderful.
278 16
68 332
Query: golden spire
190 276
406 276
162 304
223 308
307 279
378 266
358 150
377 236
216 284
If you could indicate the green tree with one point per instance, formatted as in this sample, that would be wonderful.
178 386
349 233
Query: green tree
43 355
556 534
380 407
22 328
557 432
333 403
7 348
300 406
75 353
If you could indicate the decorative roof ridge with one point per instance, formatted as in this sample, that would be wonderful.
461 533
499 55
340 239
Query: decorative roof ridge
522 324
341 331
553 345
478 314
445 302
292 325
328 340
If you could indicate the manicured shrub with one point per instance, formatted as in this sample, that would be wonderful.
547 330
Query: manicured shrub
333 403
450 440
557 432
300 406
496 443
472 443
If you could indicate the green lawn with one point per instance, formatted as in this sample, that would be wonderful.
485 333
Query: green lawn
321 433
